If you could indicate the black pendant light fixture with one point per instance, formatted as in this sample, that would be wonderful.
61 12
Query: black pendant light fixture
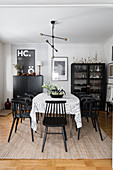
52 36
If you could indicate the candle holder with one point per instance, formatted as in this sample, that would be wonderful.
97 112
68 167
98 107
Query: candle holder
39 64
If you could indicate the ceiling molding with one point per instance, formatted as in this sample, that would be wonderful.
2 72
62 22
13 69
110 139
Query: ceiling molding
55 5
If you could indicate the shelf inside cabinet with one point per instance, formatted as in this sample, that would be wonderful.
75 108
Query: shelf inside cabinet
80 84
95 71
95 78
95 85
80 78
95 92
81 71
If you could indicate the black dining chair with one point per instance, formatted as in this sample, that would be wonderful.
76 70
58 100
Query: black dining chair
31 96
19 111
55 116
27 100
90 109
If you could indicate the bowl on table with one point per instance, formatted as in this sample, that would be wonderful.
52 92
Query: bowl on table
56 95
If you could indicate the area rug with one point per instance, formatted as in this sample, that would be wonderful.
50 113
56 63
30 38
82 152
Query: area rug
5 112
89 146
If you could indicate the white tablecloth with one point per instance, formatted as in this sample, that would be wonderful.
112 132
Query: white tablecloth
72 107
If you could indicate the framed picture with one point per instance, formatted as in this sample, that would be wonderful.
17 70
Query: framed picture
59 68
109 94
110 70
26 59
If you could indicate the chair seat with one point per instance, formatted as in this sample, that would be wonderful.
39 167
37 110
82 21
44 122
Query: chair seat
93 115
54 121
27 109
23 115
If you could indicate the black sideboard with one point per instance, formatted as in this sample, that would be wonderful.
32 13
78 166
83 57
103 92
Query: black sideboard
27 84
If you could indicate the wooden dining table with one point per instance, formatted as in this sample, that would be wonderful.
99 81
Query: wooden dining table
72 108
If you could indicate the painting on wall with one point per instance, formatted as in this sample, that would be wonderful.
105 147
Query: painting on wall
59 68
26 60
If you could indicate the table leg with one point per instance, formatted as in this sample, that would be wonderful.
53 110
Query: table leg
70 122
41 125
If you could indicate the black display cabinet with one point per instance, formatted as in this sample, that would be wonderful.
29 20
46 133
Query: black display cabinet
27 84
89 78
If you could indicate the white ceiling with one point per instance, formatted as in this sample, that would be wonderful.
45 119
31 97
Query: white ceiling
80 24
5 2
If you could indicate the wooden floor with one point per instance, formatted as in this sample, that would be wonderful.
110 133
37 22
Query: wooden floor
84 164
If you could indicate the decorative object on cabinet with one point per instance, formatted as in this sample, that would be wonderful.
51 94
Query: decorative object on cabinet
7 104
39 64
59 68
27 84
53 37
30 70
89 60
26 58
73 59
89 78
19 69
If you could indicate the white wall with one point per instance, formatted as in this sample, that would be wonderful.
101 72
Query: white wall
78 51
7 72
1 77
108 54
43 53
108 50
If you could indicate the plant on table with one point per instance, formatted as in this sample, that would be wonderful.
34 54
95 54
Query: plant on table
48 86
53 89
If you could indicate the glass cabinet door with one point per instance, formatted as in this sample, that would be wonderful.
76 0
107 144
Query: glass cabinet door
80 78
95 78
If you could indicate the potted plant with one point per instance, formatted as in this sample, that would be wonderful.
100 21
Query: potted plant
48 86
53 90
18 68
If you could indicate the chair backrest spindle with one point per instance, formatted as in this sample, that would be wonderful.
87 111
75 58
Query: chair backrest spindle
55 109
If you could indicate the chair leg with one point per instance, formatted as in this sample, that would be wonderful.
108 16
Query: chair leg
107 110
75 126
65 133
44 138
87 119
11 129
16 124
99 129
64 140
78 133
70 122
95 125
92 122
41 128
31 131
21 120
37 117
